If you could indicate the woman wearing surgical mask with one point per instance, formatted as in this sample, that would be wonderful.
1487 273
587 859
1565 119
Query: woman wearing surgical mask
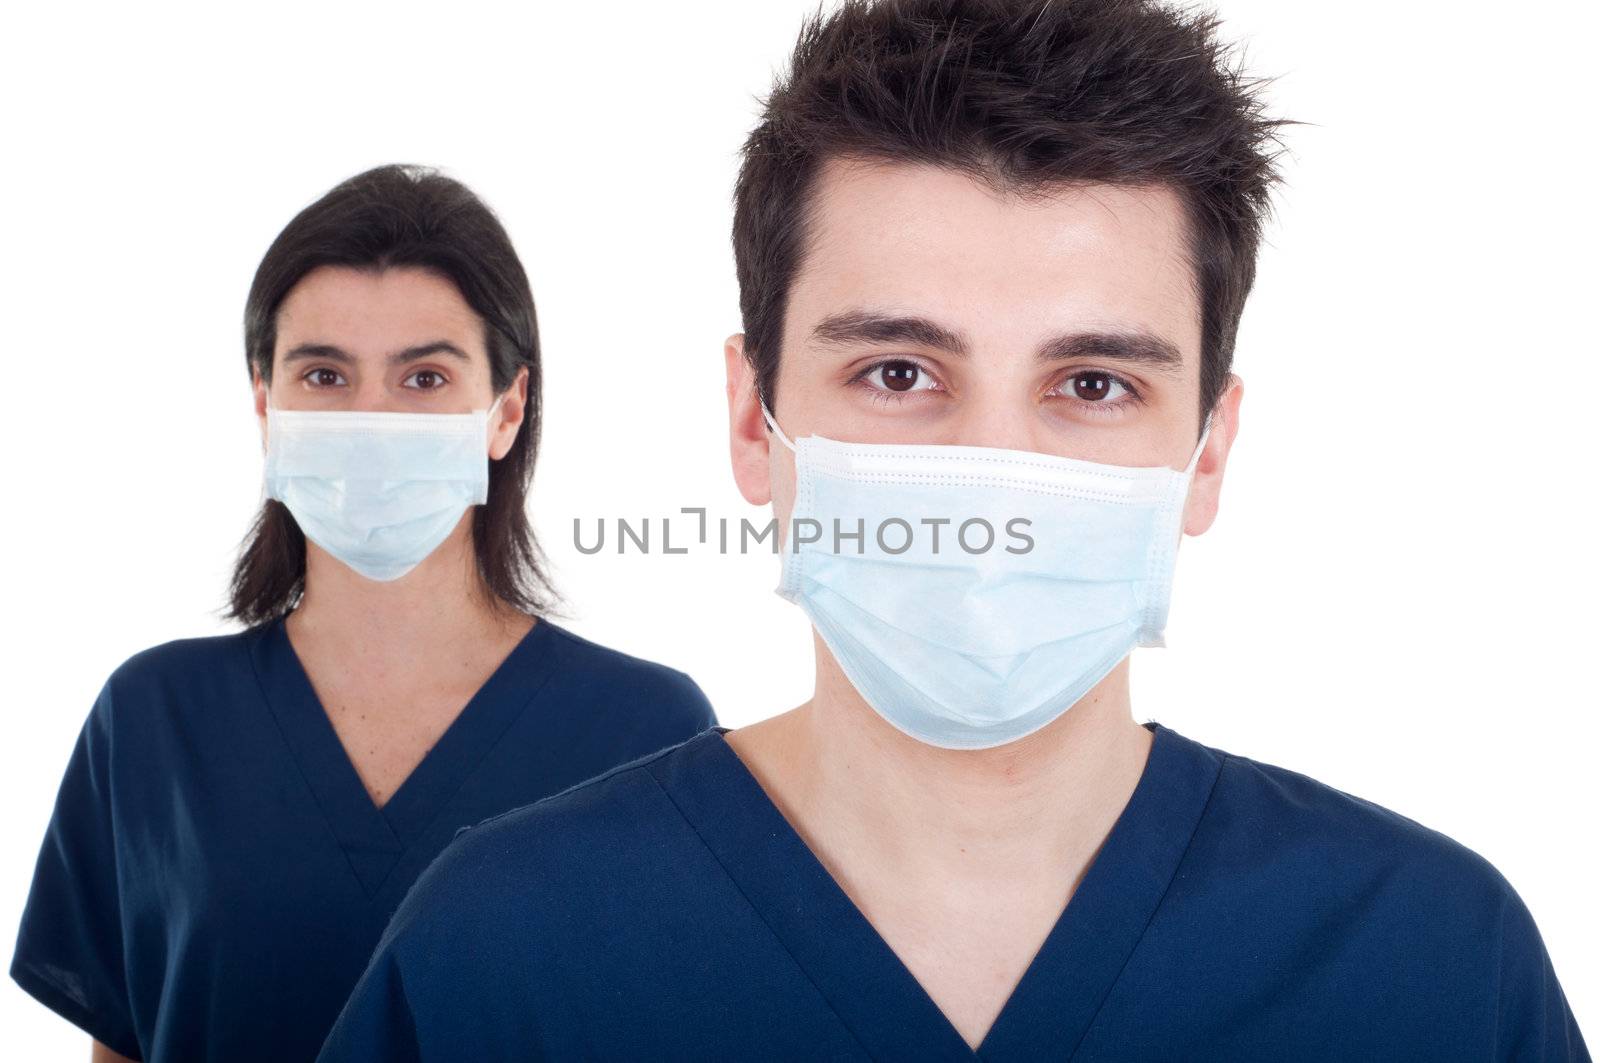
243 813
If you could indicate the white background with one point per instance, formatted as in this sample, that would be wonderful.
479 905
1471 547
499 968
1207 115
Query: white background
1398 597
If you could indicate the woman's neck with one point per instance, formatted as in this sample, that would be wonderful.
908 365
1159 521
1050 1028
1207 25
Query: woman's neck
440 603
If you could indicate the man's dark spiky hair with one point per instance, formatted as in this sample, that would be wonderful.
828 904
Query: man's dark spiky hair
1023 95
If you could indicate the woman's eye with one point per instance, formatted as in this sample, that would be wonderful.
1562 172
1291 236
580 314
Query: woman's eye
427 379
1096 386
323 377
899 375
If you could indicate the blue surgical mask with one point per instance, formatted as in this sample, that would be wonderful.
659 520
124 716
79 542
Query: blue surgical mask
377 490
966 647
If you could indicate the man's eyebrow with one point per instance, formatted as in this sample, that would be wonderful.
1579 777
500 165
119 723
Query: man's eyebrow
863 326
1136 346
338 354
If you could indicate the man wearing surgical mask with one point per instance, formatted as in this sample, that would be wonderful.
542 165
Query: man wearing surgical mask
991 268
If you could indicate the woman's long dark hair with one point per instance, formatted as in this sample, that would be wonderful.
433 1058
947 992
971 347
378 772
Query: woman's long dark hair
406 216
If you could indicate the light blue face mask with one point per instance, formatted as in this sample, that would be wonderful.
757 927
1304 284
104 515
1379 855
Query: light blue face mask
377 490
962 647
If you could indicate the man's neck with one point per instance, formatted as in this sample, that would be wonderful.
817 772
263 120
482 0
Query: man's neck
1035 809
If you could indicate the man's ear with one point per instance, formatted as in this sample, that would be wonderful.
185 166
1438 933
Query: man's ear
748 441
1205 490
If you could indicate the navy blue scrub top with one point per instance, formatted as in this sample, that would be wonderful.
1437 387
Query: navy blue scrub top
215 875
1237 911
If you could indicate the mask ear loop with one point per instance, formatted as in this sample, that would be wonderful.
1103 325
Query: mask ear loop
266 437
1180 494
1205 433
774 425
270 409
488 415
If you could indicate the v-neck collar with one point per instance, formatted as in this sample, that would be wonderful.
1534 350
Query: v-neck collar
866 983
374 839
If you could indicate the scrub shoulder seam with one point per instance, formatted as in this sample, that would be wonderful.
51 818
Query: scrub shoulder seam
637 764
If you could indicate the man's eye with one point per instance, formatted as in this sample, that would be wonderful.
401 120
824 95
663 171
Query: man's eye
1096 386
323 377
898 375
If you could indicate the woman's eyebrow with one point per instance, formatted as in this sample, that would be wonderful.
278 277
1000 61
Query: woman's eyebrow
1136 346
338 354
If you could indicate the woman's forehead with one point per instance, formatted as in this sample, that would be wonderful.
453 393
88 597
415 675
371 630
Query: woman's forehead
372 313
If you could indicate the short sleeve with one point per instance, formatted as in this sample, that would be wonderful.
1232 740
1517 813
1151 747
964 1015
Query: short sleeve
69 952
1535 1022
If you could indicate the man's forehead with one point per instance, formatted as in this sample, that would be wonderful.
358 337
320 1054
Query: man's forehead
931 238
885 199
